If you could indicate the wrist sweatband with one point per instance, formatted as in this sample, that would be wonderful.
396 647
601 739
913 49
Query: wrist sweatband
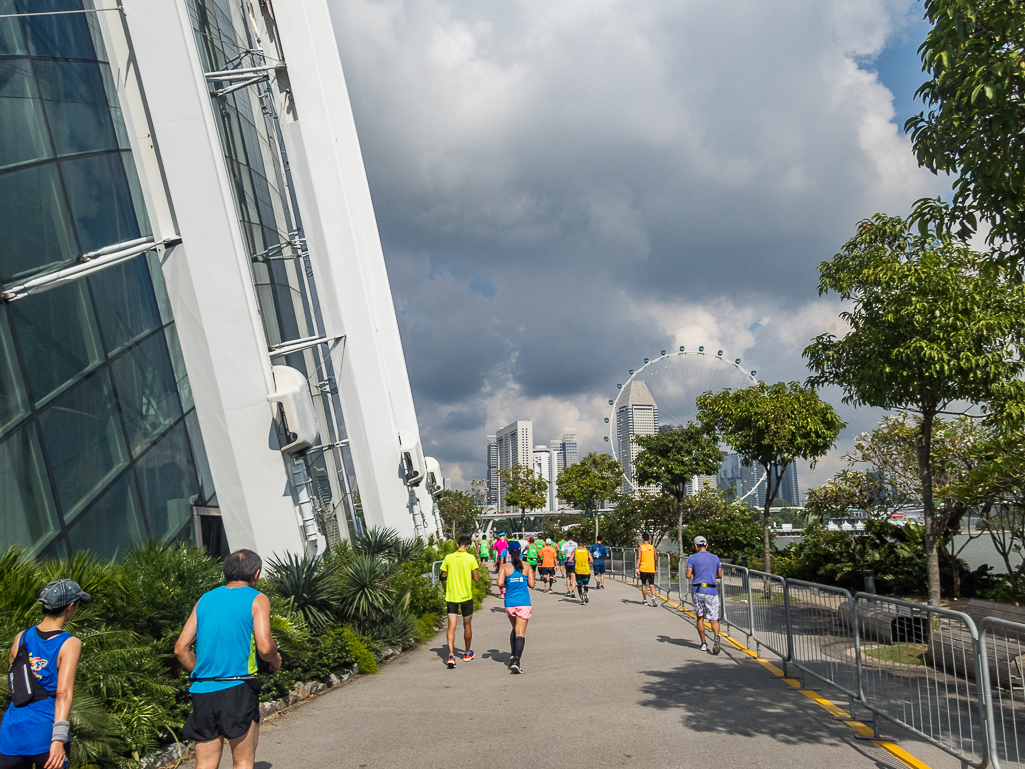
61 731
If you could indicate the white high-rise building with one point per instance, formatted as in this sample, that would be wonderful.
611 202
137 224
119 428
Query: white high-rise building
637 414
546 467
492 476
515 447
193 279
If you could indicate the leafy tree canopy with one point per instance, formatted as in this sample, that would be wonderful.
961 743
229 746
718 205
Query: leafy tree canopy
975 57
591 481
672 459
771 426
459 511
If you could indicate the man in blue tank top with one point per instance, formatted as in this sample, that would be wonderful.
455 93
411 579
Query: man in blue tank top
34 734
230 625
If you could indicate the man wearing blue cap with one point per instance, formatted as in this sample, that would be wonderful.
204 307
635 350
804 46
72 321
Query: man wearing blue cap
43 662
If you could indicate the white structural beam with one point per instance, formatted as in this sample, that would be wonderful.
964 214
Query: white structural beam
352 281
208 276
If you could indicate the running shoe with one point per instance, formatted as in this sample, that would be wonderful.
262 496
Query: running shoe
581 600
469 655
586 599
451 662
704 647
716 645
514 665
569 593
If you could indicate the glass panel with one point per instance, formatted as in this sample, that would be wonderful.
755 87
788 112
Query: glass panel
125 303
76 105
83 441
206 479
27 516
37 228
159 287
101 201
169 484
135 188
146 391
13 399
23 136
11 41
113 524
68 36
58 551
180 375
57 333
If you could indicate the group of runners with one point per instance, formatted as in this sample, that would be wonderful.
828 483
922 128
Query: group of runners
230 628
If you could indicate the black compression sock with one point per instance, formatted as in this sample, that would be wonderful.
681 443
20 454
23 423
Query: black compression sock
512 641
518 647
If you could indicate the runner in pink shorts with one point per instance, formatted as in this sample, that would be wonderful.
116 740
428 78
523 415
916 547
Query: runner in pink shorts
517 578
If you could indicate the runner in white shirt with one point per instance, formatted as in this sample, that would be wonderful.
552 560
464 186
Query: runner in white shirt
568 548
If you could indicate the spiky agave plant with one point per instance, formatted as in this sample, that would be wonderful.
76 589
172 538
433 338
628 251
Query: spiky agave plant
306 585
377 542
410 549
364 588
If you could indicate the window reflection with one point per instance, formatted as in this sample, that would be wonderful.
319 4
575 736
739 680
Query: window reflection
167 476
69 35
75 98
22 130
11 41
13 402
146 390
178 362
58 339
101 201
32 199
83 441
113 523
26 508
126 304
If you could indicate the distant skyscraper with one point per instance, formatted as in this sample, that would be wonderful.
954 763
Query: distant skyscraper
733 474
545 464
637 415
568 448
492 476
515 447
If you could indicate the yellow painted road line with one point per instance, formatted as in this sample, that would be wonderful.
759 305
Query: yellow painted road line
893 749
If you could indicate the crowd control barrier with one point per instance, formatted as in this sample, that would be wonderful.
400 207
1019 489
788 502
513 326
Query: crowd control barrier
1003 649
735 599
435 573
770 612
823 642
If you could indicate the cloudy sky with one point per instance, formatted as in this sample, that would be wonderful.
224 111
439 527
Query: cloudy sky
564 188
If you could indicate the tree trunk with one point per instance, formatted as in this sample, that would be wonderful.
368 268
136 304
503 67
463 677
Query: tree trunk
767 548
955 572
932 559
596 526
679 525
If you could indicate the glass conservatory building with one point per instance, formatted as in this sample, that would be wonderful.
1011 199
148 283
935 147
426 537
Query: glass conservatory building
197 337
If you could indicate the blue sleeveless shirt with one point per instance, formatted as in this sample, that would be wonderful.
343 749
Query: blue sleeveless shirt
517 591
27 731
225 645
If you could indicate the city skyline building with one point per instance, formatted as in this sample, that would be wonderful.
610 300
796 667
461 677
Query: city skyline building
194 342
492 465
515 447
545 465
748 480
637 414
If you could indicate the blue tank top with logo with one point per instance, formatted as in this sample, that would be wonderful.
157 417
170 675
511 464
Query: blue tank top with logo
225 646
517 591
27 731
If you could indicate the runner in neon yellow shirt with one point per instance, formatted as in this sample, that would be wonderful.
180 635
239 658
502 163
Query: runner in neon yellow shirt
459 571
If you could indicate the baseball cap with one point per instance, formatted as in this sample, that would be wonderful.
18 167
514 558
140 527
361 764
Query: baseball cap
699 540
61 593
548 541
514 544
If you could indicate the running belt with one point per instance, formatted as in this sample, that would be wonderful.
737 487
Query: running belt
702 584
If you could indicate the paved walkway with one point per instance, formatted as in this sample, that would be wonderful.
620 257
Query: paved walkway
610 684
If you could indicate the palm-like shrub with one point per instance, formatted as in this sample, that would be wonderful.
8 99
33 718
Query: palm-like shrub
305 584
406 550
377 542
364 588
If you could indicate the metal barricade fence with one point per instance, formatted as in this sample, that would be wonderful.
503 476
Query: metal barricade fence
683 588
823 635
1003 651
735 598
916 668
435 573
662 573
770 614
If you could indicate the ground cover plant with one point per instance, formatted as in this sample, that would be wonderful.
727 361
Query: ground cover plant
326 614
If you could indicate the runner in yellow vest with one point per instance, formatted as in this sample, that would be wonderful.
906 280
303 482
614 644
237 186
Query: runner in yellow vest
646 568
582 560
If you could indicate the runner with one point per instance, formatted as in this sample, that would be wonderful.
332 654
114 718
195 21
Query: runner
547 570
34 733
226 624
599 553
562 558
517 578
582 559
532 554
484 551
569 547
646 568
457 570
704 571
501 544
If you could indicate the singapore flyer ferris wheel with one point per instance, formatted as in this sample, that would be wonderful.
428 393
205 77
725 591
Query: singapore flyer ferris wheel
666 388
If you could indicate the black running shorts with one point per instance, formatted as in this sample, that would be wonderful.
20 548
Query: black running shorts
465 608
27 762
583 579
546 571
599 568
647 577
228 713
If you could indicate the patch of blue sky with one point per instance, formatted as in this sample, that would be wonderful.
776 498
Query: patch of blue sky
899 66
483 288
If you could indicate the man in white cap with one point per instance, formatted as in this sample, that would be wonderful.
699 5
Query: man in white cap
704 572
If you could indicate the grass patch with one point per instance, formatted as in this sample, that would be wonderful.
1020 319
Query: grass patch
902 654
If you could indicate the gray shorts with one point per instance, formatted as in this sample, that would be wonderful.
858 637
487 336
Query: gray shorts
706 606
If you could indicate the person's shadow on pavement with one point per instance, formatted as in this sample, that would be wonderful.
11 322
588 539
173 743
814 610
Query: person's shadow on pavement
497 656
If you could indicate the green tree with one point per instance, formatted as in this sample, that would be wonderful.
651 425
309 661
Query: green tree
459 511
728 525
928 328
672 459
590 482
649 511
770 426
525 490
975 57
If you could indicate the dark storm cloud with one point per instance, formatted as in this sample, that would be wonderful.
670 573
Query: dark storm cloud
564 188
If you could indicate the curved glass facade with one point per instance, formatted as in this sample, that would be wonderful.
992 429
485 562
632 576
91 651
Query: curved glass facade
99 445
